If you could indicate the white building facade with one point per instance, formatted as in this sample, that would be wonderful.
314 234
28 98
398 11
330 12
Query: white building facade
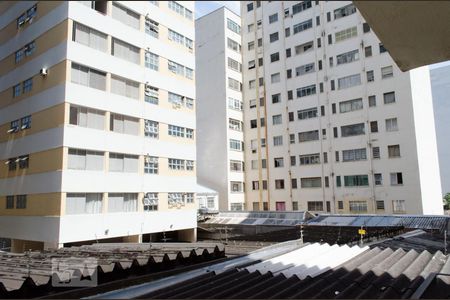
220 139
331 124
97 121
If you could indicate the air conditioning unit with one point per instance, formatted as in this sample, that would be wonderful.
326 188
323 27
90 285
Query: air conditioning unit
43 72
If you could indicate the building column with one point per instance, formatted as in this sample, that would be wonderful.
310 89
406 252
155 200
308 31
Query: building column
53 245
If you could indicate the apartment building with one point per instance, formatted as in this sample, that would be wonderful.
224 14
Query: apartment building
331 123
220 139
97 122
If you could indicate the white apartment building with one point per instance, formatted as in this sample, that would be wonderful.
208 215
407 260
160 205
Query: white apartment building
220 138
331 123
97 121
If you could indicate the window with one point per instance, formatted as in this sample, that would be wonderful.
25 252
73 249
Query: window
382 49
356 180
179 9
124 87
294 186
176 37
152 28
304 69
188 14
387 72
349 81
292 138
311 182
27 17
378 178
315 205
250 27
251 46
189 73
372 101
278 162
124 124
290 95
85 160
278 140
88 77
274 78
79 203
279 184
89 37
233 26
237 186
302 26
252 84
255 185
234 104
175 98
17 90
236 165
189 133
306 91
276 119
398 206
125 51
354 154
260 43
291 116
370 76
347 57
273 18
325 157
340 204
151 202
338 181
309 159
189 165
175 68
287 33
330 39
249 7
122 202
373 126
233 45
293 161
9 202
151 94
352 130
299 7
176 164
21 201
234 65
151 129
151 61
253 123
234 84
307 113
299 49
151 165
176 131
123 163
87 117
368 51
236 145
389 97
27 85
376 152
262 122
234 124
306 136
394 151
350 105
276 98
25 122
358 206
366 27
275 57
273 37
344 11
391 125
125 15
346 34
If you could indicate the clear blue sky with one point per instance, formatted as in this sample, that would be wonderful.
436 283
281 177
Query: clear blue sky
205 7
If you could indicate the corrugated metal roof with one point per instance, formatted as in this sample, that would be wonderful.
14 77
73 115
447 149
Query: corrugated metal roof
25 274
408 221
323 271
261 218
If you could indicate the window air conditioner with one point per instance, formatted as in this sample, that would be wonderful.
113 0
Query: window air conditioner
43 72
11 130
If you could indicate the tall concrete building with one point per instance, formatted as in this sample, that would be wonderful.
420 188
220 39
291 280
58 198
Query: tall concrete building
97 121
220 139
440 83
330 123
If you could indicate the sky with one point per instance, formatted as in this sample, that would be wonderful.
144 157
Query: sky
205 7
